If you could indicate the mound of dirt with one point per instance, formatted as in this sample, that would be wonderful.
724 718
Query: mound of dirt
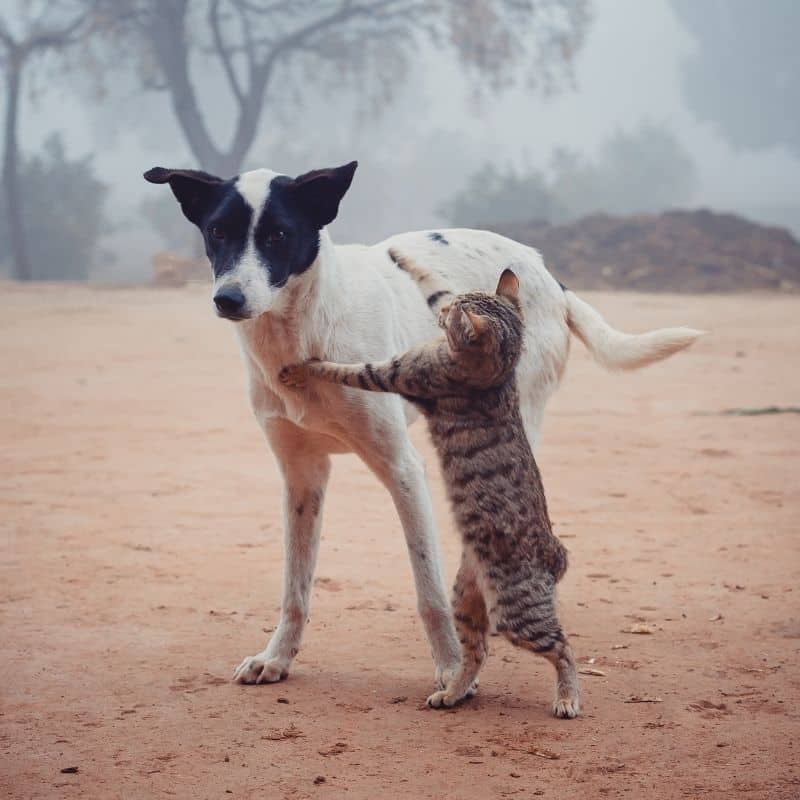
676 251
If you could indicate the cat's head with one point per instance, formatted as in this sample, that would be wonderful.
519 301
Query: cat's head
487 327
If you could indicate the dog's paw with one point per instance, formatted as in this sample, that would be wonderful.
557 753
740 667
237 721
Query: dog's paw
442 699
566 707
293 375
444 675
260 669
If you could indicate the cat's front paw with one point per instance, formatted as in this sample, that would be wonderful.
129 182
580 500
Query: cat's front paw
293 375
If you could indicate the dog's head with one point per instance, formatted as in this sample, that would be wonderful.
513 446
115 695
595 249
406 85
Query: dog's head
259 228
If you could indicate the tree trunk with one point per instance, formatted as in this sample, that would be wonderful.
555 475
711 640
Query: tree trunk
224 165
168 36
13 199
166 31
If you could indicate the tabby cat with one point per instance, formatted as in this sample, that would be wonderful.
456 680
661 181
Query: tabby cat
464 384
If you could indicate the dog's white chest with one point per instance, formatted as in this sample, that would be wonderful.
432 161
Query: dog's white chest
304 409
265 352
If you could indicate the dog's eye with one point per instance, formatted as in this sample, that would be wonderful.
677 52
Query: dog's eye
217 232
276 237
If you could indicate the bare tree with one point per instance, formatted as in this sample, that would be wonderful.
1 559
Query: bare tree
261 45
34 29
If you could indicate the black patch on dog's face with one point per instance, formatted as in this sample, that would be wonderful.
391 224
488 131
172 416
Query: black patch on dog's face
435 236
286 234
215 207
286 237
225 228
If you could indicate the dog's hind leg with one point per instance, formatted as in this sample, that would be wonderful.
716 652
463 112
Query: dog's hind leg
393 459
305 469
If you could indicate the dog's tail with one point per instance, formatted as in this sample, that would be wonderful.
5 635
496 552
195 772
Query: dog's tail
617 350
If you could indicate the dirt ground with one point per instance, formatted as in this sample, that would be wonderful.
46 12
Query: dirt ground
140 560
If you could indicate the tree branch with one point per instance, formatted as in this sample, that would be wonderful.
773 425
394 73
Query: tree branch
250 110
223 52
346 10
64 36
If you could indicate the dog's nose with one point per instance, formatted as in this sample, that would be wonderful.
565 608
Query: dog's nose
229 301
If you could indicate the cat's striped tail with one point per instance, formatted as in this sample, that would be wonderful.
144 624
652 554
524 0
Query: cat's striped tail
436 292
617 350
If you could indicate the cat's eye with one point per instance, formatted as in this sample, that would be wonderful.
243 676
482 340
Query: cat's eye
216 232
276 237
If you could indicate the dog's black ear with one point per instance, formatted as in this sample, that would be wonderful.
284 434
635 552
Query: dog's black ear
196 191
319 192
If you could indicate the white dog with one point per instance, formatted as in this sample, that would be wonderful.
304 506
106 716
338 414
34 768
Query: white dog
294 295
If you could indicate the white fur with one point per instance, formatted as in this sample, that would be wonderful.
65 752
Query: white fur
249 274
353 304
616 350
253 186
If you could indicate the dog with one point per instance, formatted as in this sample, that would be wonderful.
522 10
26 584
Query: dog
294 295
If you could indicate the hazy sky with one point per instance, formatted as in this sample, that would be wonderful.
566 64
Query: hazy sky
417 153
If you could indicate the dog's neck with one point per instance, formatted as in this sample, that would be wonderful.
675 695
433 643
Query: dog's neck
300 326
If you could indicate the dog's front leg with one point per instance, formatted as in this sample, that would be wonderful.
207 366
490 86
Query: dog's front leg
396 463
305 471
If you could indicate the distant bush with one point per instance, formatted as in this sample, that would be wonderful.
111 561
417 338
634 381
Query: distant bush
644 170
494 195
63 212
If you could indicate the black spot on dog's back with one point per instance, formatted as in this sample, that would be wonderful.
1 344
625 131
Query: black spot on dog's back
435 236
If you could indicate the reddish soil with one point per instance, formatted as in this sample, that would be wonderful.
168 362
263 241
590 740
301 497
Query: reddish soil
140 560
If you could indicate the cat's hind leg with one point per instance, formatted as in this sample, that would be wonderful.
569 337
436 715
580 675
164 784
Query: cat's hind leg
567 704
472 626
526 616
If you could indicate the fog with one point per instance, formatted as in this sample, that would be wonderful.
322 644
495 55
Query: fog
420 148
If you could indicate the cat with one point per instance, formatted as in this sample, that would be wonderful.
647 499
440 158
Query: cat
464 384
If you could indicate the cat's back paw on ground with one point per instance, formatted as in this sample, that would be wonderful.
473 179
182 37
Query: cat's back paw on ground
566 708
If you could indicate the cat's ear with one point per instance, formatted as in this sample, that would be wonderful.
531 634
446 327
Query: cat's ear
477 323
508 285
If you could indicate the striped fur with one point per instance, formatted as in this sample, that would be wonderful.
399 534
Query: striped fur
435 290
464 383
